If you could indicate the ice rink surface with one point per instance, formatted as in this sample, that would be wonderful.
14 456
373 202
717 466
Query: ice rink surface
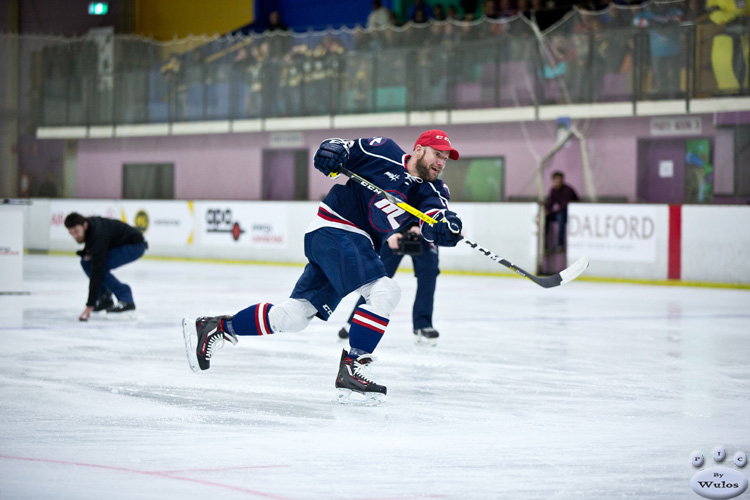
586 391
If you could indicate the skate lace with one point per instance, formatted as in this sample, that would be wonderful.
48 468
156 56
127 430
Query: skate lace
362 367
215 342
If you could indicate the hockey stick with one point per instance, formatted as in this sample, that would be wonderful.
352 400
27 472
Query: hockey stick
565 276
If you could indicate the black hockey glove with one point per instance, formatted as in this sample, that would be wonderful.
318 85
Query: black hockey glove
330 156
448 230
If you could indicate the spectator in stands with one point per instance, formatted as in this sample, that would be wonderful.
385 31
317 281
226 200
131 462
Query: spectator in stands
419 17
243 62
279 42
173 73
613 51
505 9
662 22
729 42
254 79
470 9
695 11
556 208
275 23
439 12
420 12
492 13
324 62
489 10
292 75
279 45
380 17
452 14
360 87
394 19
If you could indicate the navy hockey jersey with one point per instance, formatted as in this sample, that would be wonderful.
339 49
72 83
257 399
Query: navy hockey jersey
352 207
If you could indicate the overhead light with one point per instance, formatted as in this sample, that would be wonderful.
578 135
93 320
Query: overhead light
98 8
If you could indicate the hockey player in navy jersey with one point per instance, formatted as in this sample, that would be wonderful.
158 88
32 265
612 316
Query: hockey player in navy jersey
342 245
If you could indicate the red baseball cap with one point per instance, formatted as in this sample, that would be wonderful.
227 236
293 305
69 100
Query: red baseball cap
437 139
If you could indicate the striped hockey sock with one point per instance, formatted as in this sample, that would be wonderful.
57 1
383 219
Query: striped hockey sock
251 321
367 329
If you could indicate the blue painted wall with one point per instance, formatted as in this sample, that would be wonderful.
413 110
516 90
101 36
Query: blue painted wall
318 14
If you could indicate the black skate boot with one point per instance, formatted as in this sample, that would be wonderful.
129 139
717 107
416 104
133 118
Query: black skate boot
121 307
210 337
121 311
104 302
426 335
353 385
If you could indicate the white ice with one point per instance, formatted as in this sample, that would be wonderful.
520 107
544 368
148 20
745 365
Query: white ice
590 390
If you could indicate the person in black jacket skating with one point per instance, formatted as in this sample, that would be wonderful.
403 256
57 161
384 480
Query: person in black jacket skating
109 244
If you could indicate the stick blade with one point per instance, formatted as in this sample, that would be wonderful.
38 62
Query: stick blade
569 274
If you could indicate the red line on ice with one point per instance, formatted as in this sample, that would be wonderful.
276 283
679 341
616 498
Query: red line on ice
149 473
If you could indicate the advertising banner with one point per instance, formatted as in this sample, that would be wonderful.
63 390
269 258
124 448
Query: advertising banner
59 209
11 249
161 222
620 233
244 224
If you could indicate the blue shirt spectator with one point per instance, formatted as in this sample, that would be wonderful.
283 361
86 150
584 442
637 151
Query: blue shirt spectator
419 5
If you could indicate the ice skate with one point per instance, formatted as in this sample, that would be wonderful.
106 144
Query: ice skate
428 336
353 386
103 303
121 311
203 337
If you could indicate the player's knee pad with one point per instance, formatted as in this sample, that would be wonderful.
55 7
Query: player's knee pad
291 315
382 295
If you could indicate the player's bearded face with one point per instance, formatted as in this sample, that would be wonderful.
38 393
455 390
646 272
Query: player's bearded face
78 233
430 164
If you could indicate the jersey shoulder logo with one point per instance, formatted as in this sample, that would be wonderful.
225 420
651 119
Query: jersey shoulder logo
447 191
392 176
377 141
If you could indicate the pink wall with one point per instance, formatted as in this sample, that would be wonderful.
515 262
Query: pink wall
228 166
206 166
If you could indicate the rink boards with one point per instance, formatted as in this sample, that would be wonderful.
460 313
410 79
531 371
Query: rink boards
630 241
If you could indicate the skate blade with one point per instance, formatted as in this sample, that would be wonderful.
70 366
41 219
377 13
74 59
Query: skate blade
420 340
190 334
354 398
120 316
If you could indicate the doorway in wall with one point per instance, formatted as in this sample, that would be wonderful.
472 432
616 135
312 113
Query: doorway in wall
148 181
285 174
675 170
